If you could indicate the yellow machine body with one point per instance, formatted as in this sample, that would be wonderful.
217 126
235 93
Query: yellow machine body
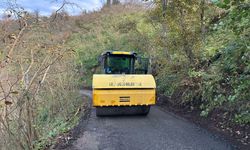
123 90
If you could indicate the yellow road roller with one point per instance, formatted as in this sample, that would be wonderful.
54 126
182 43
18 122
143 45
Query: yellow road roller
124 88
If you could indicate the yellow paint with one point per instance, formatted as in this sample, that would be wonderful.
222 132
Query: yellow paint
121 53
123 97
104 81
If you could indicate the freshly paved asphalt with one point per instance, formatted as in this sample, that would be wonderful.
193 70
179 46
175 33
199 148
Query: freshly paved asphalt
160 130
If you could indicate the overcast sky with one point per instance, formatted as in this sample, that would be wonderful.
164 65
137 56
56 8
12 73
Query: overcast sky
46 7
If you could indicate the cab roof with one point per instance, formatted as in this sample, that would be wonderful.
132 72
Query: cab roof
119 53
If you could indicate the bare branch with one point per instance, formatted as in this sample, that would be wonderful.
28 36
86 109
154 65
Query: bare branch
64 4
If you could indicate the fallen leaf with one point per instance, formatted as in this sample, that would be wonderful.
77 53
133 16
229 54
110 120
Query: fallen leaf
7 102
14 92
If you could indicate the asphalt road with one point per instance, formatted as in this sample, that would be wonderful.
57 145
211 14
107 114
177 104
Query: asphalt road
160 130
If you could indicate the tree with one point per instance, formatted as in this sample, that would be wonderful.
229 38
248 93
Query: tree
112 2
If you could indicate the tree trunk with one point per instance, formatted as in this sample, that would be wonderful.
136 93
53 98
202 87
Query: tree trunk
108 2
186 44
202 21
202 27
114 2
165 28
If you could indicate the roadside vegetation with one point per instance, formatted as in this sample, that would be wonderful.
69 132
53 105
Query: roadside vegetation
199 53
39 84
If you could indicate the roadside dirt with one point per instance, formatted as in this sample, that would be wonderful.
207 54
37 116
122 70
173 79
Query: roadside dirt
217 123
64 141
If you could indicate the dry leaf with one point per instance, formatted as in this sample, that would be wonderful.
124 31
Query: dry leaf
8 102
14 92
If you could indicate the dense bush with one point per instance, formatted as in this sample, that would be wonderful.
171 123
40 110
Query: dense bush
229 82
39 85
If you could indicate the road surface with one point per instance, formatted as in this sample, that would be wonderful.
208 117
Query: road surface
160 130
